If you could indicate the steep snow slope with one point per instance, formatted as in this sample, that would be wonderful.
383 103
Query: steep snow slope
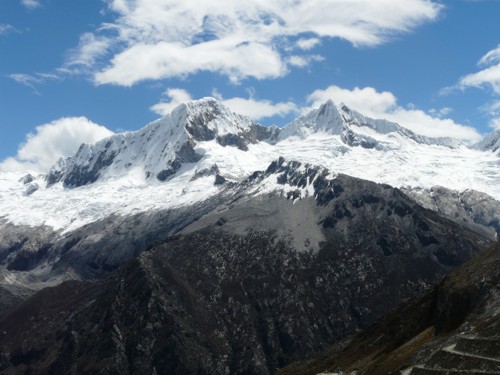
159 149
491 142
188 155
354 129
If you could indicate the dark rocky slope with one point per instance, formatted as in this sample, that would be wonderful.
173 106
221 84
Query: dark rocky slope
258 282
346 210
454 328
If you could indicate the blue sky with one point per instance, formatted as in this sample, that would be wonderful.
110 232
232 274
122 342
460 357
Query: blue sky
75 71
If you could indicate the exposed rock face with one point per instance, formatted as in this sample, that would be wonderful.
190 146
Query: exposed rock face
163 146
454 328
22 247
471 208
219 269
56 172
306 204
27 179
31 188
258 281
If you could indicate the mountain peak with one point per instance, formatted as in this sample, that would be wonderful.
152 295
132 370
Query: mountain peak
355 129
207 119
325 119
161 147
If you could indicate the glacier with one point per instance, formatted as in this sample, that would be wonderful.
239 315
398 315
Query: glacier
175 161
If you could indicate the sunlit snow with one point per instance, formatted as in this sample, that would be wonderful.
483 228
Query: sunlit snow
397 160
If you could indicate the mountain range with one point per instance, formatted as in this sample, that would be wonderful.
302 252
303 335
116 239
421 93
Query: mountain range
207 243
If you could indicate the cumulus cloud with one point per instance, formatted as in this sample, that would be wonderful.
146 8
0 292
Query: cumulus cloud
156 39
384 105
489 76
254 108
49 142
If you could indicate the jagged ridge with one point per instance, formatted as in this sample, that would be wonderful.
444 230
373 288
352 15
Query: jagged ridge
161 147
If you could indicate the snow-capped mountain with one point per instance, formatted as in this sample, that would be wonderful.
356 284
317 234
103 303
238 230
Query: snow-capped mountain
160 148
176 160
353 128
282 237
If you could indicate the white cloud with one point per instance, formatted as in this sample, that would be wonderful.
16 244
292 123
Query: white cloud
31 4
5 28
307 44
492 57
440 112
260 109
251 107
175 97
367 100
34 80
49 142
83 57
486 77
492 110
26 80
156 39
303 61
495 123
489 76
164 60
372 103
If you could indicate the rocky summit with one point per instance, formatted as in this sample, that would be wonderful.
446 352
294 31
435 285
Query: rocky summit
205 243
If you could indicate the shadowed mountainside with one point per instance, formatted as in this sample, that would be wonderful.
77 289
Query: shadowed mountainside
454 328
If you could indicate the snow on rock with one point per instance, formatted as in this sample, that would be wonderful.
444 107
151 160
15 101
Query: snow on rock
188 155
355 129
325 119
159 149
491 142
